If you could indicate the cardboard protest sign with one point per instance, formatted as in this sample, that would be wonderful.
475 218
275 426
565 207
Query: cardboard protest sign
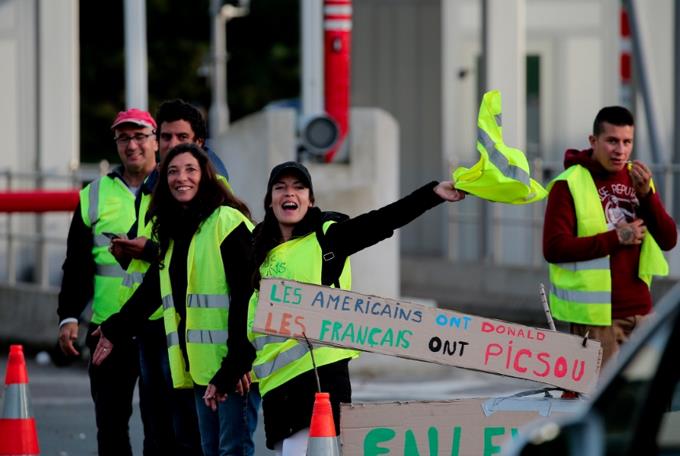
370 323
457 428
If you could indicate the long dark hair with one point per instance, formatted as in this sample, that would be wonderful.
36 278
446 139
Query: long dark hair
167 213
267 234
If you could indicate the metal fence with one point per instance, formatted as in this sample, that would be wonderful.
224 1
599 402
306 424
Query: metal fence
33 245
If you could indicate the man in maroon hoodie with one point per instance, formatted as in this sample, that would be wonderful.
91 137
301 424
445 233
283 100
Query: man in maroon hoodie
599 239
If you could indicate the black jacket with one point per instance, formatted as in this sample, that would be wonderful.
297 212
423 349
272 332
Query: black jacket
288 408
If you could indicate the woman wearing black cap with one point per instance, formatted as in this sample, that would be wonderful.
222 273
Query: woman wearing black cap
298 241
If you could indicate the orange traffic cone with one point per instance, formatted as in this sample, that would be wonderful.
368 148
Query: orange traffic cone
322 439
18 435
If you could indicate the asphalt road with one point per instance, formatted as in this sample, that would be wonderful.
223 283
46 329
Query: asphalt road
64 412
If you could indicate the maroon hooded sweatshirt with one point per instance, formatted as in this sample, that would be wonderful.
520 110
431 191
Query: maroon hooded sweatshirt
630 295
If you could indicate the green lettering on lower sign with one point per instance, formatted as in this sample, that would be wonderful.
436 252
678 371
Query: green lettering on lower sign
376 436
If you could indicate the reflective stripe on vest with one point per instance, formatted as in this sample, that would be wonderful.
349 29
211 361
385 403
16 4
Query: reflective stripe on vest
502 172
110 270
94 201
580 292
134 275
107 205
204 336
500 161
206 302
133 278
280 359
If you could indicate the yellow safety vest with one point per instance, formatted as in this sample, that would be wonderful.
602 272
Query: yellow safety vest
106 206
580 291
280 359
502 172
207 302
134 274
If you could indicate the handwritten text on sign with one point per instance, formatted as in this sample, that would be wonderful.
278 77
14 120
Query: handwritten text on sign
370 323
456 428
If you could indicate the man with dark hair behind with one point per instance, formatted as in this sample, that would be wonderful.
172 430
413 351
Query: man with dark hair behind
604 232
181 122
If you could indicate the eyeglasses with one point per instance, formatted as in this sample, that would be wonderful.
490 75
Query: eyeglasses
139 139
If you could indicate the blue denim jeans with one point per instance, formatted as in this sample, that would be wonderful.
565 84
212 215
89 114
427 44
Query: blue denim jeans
171 424
228 431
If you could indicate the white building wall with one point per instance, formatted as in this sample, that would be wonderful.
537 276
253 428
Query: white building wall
39 124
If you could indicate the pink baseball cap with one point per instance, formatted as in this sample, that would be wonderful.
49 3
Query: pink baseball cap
136 117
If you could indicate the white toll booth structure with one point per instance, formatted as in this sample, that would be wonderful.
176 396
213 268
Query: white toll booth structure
316 314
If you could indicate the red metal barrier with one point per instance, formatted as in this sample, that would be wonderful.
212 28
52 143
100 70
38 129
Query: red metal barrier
39 201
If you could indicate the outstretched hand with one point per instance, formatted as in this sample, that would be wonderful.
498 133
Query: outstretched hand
447 192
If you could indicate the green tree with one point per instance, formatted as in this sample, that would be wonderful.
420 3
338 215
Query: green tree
263 61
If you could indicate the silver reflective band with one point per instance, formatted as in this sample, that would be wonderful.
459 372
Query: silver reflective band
597 263
500 161
204 336
281 361
110 270
499 119
132 278
260 342
172 338
92 211
168 303
101 241
585 297
206 301
17 405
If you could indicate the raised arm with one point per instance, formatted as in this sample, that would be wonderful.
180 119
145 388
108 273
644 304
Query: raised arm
367 229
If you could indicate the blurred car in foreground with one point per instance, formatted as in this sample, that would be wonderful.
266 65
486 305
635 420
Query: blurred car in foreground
636 408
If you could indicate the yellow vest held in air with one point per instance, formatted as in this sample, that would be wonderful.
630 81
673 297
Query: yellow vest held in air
502 172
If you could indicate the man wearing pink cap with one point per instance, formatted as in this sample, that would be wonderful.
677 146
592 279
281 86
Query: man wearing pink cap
92 274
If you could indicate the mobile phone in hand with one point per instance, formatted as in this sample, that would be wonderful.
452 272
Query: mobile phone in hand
114 236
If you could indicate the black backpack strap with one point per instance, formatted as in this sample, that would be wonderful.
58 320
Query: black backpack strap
332 262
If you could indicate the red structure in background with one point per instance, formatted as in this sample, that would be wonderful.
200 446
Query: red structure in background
39 201
337 26
625 60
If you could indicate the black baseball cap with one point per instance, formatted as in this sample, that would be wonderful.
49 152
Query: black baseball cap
290 167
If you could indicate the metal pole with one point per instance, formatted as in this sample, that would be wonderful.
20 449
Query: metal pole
640 65
312 57
136 78
484 208
219 111
676 114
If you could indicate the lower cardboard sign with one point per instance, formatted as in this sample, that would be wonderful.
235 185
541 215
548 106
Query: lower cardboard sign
456 428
